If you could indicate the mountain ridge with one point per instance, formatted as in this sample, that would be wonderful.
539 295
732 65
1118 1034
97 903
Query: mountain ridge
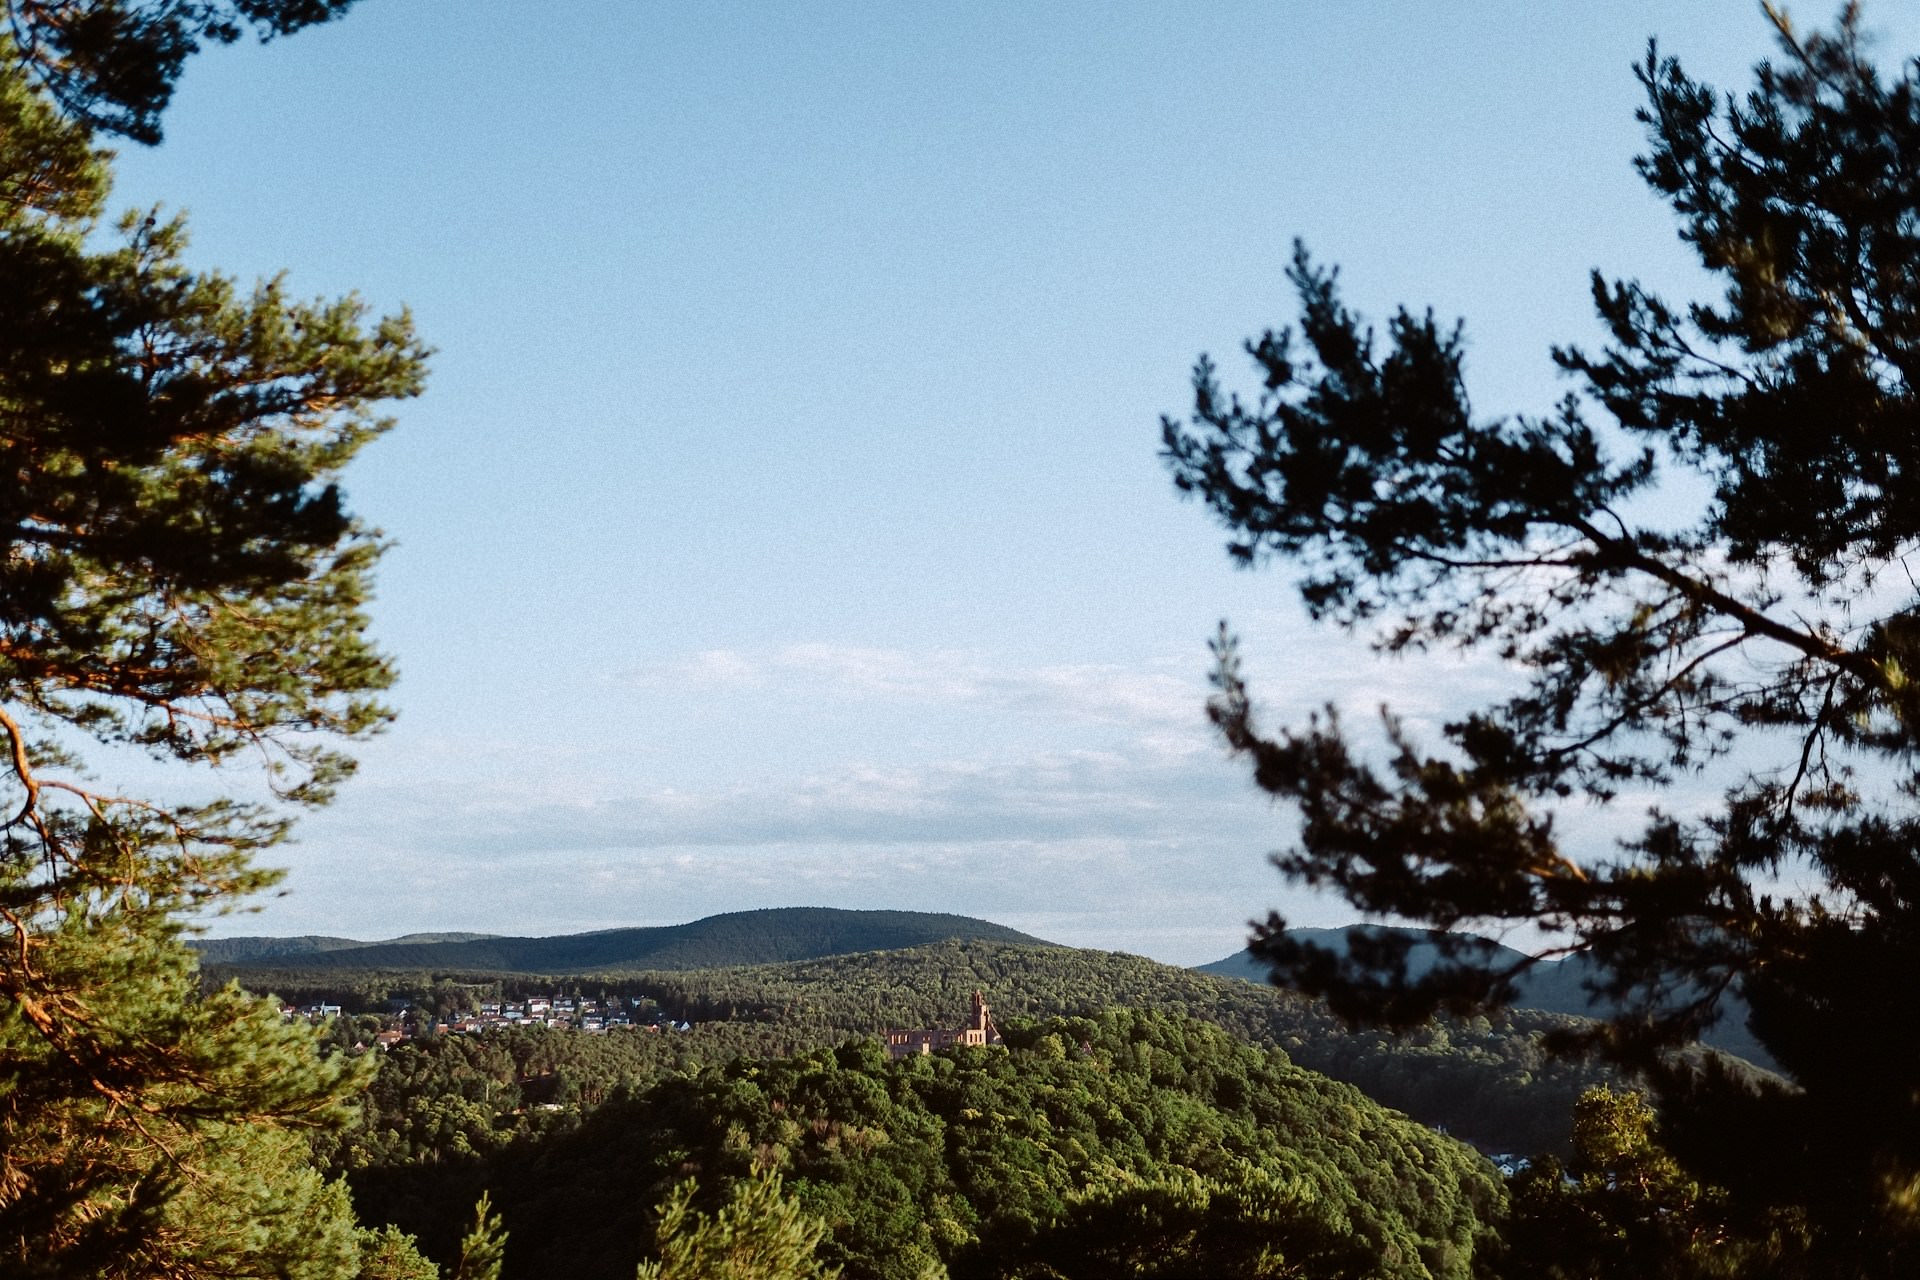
1557 986
765 936
251 946
1486 1080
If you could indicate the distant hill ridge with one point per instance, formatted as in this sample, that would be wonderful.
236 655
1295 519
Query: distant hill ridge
770 936
242 950
1485 1081
1556 987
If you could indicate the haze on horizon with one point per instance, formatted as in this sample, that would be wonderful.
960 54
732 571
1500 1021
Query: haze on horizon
782 525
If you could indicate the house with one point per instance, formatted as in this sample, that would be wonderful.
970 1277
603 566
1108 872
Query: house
978 1031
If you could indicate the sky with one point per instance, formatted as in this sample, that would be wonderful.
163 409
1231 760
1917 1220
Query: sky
782 524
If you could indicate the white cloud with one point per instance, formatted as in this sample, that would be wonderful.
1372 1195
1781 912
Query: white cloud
1183 899
1107 692
1055 796
1089 803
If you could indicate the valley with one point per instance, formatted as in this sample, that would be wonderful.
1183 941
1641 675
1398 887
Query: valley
470 1099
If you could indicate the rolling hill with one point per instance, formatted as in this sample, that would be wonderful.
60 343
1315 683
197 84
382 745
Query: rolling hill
1555 987
768 983
735 938
1486 1080
281 950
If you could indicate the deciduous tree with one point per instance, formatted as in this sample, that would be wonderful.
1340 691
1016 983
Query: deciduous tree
1762 649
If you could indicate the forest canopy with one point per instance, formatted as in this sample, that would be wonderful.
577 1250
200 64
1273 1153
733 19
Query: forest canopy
1122 1144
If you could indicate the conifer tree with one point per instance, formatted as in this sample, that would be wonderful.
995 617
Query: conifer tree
758 1234
483 1249
1623 1209
390 1254
111 64
179 576
1763 648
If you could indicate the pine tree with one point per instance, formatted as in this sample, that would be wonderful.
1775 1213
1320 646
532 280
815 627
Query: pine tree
1624 1209
1765 647
111 64
484 1248
758 1234
390 1254
179 577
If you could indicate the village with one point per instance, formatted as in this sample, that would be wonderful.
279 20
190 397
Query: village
404 1020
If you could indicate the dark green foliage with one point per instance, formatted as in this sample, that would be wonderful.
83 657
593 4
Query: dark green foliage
1622 1209
735 938
1762 642
389 1254
445 1100
111 63
145 1128
1183 1226
180 577
759 1234
1561 987
483 1249
1164 1138
1486 1079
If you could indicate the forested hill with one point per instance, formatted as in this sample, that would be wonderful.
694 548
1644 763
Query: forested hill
1556 987
733 939
295 950
1420 956
1487 1080
1128 1144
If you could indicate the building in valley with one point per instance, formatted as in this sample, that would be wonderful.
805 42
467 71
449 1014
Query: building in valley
978 1031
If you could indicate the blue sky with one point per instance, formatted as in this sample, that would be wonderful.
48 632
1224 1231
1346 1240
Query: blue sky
783 524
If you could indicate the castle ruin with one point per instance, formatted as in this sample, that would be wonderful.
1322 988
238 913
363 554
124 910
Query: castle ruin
978 1031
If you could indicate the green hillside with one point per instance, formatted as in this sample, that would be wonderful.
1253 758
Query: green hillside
1486 1080
735 938
1128 1144
1242 964
1555 987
